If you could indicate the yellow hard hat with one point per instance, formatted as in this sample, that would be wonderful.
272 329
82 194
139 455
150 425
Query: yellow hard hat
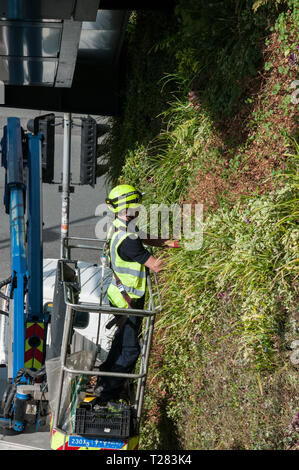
123 196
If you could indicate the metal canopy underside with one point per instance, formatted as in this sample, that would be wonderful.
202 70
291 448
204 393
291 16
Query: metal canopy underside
101 40
61 55
38 53
39 40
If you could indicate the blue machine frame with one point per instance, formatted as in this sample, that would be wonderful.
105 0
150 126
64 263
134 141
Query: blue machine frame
35 246
18 152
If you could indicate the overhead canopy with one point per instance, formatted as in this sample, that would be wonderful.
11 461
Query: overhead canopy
27 10
61 55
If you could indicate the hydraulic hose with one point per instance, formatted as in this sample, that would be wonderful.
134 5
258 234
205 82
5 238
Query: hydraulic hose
12 388
2 284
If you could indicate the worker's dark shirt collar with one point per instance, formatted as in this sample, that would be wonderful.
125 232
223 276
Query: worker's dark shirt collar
133 223
127 221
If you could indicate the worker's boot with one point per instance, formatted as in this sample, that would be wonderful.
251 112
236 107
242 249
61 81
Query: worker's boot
97 391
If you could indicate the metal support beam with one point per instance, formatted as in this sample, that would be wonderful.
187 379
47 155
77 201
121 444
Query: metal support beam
68 53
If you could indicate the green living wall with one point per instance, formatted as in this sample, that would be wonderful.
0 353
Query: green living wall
209 117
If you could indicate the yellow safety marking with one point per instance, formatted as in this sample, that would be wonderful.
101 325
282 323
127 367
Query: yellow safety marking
59 440
88 399
33 362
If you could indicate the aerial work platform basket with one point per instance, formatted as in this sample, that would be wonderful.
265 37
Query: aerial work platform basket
75 424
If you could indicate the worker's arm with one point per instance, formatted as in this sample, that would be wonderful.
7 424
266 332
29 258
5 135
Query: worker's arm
133 250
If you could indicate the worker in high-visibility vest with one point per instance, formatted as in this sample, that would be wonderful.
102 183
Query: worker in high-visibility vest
129 260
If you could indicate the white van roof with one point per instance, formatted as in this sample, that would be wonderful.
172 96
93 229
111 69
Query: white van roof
90 275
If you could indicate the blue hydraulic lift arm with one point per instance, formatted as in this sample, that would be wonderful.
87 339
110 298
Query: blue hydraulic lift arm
26 258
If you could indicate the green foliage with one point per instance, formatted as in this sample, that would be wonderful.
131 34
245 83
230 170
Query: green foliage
228 37
210 47
225 321
259 3
284 32
168 164
249 258
227 307
142 99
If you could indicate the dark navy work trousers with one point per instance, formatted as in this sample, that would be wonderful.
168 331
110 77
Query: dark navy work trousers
123 355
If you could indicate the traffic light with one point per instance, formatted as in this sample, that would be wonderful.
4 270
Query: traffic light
45 125
90 132
88 151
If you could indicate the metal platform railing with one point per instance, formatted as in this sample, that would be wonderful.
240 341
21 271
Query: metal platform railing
69 246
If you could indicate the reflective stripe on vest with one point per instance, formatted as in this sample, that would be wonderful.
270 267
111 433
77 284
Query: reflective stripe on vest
123 269
130 290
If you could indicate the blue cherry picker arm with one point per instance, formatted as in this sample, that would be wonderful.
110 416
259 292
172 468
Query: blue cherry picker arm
21 160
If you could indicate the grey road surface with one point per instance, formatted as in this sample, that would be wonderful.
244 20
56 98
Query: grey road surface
83 204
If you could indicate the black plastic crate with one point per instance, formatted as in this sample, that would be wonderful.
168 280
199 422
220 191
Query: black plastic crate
103 422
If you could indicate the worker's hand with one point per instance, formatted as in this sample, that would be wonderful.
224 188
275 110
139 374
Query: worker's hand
155 264
172 243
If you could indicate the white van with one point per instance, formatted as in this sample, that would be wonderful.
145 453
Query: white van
86 333
85 336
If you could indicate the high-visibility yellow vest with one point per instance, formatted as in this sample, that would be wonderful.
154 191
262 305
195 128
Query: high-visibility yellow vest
131 274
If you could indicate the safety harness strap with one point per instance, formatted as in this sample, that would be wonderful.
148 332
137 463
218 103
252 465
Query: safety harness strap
118 320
